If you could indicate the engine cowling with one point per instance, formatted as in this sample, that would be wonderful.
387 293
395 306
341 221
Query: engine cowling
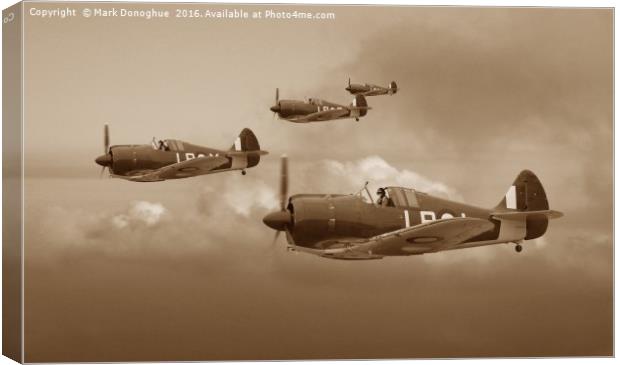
311 218
323 217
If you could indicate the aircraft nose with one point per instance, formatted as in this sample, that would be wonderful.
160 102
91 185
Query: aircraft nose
277 220
104 160
275 108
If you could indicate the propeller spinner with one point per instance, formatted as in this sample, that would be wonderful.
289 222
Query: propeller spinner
105 160
276 107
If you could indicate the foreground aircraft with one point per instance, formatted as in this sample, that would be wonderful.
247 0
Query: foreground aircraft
406 222
317 110
371 90
174 159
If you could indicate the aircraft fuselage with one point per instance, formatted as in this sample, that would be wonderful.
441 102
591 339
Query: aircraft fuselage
129 160
295 108
323 218
367 90
372 90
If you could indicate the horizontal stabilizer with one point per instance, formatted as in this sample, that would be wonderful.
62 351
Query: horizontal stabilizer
246 153
549 214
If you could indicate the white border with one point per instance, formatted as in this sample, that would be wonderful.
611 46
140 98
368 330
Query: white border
529 3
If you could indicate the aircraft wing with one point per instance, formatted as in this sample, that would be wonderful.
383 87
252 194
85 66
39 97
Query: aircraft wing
143 176
194 167
324 115
427 237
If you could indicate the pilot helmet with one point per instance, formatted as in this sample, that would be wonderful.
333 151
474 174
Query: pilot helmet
380 191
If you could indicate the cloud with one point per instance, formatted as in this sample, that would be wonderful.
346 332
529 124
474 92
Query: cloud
244 201
237 196
380 173
140 212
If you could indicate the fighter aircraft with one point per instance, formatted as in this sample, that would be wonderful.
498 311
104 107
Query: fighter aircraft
371 90
317 110
405 221
174 159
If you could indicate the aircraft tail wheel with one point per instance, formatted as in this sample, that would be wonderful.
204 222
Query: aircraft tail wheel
518 248
243 172
357 119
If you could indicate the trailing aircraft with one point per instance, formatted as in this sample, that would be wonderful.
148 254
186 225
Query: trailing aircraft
404 221
371 90
175 159
317 110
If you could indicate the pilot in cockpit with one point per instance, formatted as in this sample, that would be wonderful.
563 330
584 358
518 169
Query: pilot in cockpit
163 146
383 198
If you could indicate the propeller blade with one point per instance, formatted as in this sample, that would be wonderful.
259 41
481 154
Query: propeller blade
283 182
277 95
349 82
275 238
106 139
101 173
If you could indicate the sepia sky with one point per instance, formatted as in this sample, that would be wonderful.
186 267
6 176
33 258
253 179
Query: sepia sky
185 270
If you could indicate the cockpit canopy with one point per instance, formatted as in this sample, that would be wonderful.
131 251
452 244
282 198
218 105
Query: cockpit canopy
401 197
173 145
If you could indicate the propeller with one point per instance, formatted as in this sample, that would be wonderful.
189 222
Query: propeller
106 139
275 238
105 160
283 182
281 219
283 188
276 107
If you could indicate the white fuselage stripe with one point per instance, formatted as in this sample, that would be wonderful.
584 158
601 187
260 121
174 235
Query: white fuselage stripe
239 162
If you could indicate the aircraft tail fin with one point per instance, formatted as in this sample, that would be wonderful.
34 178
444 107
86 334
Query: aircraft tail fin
526 199
246 141
525 194
393 88
360 104
247 144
